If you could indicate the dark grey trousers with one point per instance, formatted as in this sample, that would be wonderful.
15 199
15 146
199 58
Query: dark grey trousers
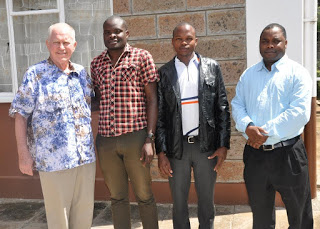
284 170
205 178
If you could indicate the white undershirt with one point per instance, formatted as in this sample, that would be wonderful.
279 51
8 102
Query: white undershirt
188 77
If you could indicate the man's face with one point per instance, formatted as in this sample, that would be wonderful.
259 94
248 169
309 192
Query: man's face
184 41
61 45
115 34
272 45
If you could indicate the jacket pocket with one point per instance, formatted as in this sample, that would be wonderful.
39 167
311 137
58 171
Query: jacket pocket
211 123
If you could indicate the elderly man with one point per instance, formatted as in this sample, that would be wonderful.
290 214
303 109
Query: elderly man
193 129
53 132
271 107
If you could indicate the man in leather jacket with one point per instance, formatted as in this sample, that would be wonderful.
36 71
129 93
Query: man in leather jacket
193 128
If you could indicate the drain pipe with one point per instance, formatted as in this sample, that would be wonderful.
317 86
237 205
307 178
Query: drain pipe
310 62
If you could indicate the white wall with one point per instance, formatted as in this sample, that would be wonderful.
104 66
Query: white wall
288 13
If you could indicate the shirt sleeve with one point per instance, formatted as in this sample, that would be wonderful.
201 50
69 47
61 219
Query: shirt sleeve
24 101
298 112
148 69
94 80
239 111
87 88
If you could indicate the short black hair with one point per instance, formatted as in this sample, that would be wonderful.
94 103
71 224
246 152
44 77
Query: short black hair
114 17
181 24
273 25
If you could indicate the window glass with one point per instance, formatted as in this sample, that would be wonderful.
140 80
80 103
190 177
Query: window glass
26 5
30 34
5 67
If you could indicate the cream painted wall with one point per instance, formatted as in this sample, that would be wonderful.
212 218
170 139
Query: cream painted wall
288 13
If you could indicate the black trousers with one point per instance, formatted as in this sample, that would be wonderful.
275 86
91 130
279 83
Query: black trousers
284 170
205 179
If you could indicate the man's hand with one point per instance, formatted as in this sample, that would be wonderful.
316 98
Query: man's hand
256 136
164 164
26 163
147 152
221 153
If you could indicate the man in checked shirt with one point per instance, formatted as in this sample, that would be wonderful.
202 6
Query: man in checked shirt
125 81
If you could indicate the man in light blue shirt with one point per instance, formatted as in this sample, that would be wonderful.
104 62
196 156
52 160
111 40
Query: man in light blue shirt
271 107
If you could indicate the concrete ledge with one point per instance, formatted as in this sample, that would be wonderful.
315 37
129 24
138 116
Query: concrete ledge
30 214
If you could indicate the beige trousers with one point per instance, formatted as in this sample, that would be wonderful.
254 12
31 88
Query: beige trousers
69 197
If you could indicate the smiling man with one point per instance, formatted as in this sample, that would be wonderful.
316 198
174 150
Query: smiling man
53 131
271 107
193 129
125 81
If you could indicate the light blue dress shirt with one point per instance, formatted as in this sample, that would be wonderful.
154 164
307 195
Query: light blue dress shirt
279 100
59 133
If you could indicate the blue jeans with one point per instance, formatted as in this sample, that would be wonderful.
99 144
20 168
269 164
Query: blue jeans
205 179
119 159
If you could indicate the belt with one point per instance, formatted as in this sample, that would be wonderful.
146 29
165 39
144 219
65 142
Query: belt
288 142
191 139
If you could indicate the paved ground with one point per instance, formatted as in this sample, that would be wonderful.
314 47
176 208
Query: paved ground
30 214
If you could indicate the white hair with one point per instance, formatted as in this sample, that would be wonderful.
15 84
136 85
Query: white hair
65 25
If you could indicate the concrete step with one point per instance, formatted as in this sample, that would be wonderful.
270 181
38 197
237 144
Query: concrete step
30 214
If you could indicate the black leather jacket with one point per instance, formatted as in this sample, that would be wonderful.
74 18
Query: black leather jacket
214 123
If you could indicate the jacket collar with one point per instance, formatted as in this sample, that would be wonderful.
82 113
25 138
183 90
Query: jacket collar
174 79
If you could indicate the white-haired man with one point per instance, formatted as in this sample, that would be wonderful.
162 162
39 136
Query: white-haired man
53 131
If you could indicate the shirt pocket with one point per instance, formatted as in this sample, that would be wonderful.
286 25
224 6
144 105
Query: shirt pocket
129 72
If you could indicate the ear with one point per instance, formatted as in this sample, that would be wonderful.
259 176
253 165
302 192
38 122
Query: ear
285 44
127 33
75 44
196 42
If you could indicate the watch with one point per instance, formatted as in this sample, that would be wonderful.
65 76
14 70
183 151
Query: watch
151 136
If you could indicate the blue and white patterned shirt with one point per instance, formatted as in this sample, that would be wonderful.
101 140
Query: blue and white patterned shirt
279 100
58 107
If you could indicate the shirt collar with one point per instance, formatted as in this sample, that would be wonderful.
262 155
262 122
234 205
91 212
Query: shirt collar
71 66
276 65
127 48
195 59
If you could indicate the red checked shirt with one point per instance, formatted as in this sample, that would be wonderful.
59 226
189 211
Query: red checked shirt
123 99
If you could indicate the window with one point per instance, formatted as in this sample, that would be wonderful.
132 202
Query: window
27 25
23 31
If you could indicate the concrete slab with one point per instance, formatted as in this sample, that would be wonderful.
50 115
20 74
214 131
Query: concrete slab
30 214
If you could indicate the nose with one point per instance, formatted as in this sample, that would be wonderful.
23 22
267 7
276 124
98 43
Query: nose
112 35
61 45
184 42
270 45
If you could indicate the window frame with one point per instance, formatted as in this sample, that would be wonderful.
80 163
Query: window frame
7 97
